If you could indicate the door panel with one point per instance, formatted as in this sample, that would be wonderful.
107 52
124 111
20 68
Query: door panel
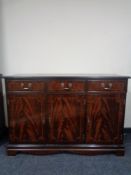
105 115
26 118
66 118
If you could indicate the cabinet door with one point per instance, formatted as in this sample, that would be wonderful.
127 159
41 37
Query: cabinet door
66 118
26 118
105 115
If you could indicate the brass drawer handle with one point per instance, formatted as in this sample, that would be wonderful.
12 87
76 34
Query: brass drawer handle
106 88
26 88
66 88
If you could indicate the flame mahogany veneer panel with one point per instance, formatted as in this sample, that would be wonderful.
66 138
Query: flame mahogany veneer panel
105 114
26 118
66 117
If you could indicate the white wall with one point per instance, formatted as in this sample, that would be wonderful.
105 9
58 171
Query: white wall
68 36
1 43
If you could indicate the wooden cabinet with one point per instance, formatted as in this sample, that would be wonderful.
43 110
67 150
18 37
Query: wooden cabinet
2 119
78 114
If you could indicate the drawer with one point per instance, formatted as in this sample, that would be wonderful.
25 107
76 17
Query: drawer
25 85
106 85
65 85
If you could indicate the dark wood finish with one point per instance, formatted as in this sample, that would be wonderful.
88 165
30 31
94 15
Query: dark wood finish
2 119
66 118
105 115
25 85
83 115
12 150
67 77
26 118
59 85
106 85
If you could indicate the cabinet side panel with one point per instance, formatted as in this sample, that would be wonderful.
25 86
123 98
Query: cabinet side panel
2 116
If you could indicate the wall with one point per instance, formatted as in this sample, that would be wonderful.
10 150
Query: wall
72 36
1 41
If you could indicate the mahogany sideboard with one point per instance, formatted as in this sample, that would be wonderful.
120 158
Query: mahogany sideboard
81 114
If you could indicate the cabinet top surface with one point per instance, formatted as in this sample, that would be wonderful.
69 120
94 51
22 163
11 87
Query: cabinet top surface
88 76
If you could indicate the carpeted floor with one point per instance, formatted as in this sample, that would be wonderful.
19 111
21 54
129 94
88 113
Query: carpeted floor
66 164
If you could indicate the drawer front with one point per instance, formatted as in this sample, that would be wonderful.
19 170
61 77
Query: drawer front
25 85
65 85
106 85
